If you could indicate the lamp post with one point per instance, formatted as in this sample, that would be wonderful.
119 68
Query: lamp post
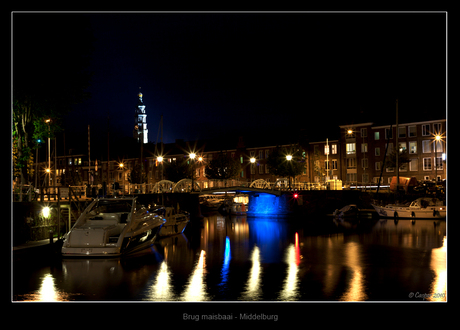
437 138
289 158
122 166
160 160
192 157
48 170
253 161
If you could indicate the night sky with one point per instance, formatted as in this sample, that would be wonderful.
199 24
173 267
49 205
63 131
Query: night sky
215 74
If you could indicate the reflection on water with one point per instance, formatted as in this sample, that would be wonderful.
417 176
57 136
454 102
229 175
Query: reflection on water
47 291
252 287
233 258
196 288
291 283
356 286
225 267
439 266
162 290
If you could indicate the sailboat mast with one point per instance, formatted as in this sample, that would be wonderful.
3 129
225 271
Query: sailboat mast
397 148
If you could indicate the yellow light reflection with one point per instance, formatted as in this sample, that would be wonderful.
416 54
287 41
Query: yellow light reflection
439 266
253 290
291 283
196 289
356 288
162 289
47 291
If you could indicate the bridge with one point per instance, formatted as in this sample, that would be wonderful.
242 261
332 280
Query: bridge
239 190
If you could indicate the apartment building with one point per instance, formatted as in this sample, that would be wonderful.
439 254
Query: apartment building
364 146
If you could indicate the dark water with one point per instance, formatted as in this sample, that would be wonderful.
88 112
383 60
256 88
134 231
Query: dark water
238 259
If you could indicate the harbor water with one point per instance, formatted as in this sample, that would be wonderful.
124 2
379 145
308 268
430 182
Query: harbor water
229 258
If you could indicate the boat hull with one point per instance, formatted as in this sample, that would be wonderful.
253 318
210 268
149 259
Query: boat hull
409 213
129 245
111 227
173 229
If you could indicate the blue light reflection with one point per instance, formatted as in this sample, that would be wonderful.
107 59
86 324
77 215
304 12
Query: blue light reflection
225 266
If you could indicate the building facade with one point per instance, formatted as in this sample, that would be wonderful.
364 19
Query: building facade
422 146
356 158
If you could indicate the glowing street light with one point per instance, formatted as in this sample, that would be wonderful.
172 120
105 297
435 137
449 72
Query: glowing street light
122 166
192 157
253 161
437 138
289 158
46 211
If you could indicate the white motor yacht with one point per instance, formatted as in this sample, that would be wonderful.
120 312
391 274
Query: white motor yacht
422 208
111 227
175 221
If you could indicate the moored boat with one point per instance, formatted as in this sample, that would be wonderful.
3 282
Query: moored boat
421 208
112 227
175 221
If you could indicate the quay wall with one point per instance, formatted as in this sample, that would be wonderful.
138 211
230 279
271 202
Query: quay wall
307 203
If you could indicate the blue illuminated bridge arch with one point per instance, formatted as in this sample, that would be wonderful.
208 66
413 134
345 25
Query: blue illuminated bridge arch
262 202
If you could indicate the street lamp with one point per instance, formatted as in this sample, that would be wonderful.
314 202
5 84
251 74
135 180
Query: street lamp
48 121
192 157
289 158
253 161
437 138
160 161
122 166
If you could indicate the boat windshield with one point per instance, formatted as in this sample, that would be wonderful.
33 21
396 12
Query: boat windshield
119 206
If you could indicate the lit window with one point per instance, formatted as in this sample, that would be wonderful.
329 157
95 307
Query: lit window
334 149
351 148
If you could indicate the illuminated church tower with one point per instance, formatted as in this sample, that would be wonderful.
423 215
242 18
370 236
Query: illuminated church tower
140 122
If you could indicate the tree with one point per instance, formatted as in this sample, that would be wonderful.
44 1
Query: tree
391 158
178 170
137 174
223 168
279 165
